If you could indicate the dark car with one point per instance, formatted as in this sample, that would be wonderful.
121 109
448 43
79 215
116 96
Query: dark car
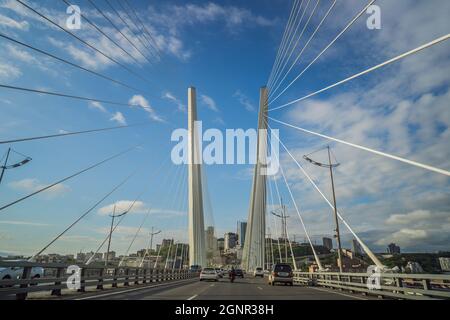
281 273
239 273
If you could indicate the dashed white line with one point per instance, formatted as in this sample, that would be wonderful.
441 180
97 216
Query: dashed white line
260 288
193 297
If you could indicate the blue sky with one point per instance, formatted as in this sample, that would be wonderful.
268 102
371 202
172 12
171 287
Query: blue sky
226 50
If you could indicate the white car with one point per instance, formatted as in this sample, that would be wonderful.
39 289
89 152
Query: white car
259 272
209 274
12 273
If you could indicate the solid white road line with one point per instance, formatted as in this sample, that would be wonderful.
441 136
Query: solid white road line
193 297
130 290
342 294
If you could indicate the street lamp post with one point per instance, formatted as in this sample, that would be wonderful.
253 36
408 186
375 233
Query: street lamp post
5 166
113 216
283 218
330 166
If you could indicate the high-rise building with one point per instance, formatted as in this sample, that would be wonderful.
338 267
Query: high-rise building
327 243
211 241
356 248
393 248
242 229
221 244
230 240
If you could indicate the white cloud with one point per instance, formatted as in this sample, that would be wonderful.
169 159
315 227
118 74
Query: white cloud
209 103
405 237
122 206
13 24
119 118
24 223
32 185
97 105
244 100
409 218
139 207
8 71
138 100
169 96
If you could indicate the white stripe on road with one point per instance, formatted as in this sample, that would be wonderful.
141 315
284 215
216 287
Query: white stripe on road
193 297
260 288
342 294
130 290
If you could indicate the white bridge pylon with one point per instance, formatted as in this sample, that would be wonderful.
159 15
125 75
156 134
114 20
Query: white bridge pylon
254 246
197 248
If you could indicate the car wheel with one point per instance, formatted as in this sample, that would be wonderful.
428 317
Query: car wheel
291 284
8 277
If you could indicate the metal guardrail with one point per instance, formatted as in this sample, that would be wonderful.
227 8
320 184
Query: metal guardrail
392 285
55 277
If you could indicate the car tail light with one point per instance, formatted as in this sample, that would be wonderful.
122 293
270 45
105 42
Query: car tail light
275 273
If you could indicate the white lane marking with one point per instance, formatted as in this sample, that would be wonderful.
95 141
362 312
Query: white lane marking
130 290
260 288
212 285
342 294
193 297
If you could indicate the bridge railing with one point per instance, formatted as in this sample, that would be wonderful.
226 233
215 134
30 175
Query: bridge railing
54 278
393 285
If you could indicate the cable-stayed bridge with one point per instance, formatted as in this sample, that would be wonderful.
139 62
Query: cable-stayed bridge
166 279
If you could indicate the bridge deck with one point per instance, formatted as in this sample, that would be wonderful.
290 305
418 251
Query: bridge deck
243 289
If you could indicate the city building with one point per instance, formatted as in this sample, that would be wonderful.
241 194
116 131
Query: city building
393 249
221 244
211 240
327 243
230 240
166 243
111 256
445 263
356 248
242 229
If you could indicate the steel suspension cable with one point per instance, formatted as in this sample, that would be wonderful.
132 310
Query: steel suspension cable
104 34
117 13
83 41
46 53
155 44
283 40
316 257
384 154
286 61
118 30
68 134
385 63
84 215
64 95
67 178
363 245
143 34
288 39
325 49
138 197
304 47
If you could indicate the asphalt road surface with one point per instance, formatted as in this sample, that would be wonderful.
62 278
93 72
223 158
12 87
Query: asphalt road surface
242 289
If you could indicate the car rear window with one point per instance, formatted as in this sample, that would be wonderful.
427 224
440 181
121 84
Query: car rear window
258 269
283 268
208 270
